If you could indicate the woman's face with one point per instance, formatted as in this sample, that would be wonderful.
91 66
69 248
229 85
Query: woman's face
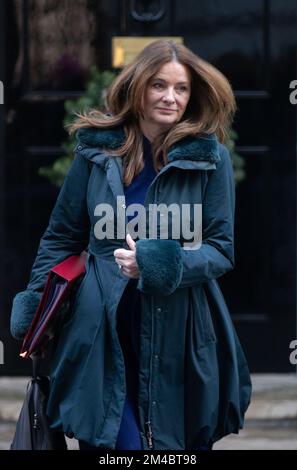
166 97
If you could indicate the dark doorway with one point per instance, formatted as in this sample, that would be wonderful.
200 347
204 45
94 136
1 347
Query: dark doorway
45 60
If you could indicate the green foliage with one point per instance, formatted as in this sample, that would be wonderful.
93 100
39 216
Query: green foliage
94 97
237 160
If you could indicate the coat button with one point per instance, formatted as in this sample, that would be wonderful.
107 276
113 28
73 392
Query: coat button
156 356
159 310
154 403
79 147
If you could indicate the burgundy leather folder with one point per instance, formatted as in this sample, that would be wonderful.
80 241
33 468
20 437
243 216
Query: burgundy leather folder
60 282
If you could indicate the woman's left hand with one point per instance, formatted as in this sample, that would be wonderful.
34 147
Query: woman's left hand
126 259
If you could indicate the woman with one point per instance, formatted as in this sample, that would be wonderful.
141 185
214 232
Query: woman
149 358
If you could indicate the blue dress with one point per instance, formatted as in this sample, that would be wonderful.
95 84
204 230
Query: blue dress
128 320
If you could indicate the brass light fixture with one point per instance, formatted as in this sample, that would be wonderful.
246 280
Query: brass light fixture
125 48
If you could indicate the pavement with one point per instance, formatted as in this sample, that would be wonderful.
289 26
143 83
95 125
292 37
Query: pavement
271 420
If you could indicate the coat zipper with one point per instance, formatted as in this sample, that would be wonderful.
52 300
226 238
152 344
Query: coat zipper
149 434
148 423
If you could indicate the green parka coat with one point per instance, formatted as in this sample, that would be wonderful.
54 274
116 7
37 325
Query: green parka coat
194 384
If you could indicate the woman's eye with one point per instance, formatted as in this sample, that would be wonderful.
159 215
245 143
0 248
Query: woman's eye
179 89
182 88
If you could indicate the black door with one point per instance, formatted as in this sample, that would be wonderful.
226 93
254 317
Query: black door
49 47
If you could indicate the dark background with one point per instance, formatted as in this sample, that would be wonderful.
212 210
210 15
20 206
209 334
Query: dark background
46 49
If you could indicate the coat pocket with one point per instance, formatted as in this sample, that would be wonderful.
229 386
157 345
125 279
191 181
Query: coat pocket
202 321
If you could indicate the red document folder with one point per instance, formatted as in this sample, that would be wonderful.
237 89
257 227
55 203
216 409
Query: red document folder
60 281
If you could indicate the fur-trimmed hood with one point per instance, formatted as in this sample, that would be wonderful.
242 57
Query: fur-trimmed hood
191 148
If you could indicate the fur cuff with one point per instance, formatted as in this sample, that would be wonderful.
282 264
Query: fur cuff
23 309
160 265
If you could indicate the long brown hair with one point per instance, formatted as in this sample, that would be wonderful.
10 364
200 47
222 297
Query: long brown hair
210 109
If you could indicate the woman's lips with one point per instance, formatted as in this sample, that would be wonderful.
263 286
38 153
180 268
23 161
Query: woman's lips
167 110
